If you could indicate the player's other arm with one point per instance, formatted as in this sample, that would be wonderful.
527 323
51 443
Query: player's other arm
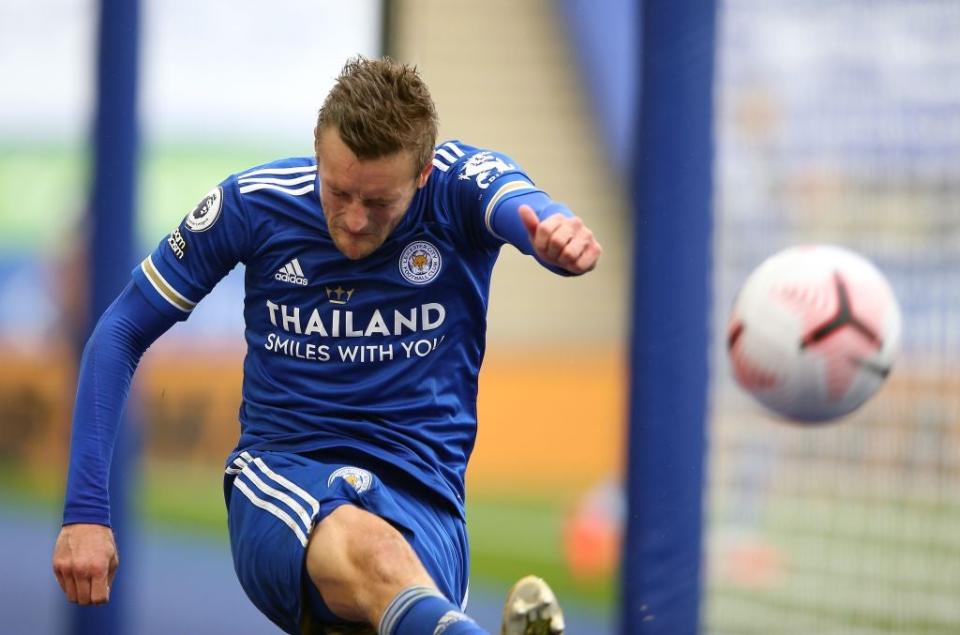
85 556
537 225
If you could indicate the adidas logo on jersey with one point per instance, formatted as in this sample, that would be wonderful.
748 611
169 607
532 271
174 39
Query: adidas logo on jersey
291 272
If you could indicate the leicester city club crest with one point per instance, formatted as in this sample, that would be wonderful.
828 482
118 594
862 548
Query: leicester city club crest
358 478
420 262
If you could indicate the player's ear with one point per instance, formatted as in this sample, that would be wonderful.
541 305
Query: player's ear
424 175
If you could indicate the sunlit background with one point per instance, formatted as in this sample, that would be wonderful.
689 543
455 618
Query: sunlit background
834 121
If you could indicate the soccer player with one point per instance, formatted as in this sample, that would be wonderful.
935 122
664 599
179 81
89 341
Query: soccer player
367 274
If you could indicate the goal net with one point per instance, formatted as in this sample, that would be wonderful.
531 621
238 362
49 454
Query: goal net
839 122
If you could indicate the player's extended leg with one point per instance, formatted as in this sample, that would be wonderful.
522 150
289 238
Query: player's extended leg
366 571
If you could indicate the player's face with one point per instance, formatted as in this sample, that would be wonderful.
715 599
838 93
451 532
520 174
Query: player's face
363 200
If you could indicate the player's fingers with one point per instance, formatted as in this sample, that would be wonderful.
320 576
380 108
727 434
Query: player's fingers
545 231
558 241
100 589
58 572
589 258
572 252
68 586
529 219
112 571
82 583
569 230
61 565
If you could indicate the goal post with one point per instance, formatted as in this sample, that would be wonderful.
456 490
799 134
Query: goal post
671 177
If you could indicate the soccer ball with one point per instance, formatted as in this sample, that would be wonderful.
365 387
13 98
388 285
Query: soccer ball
813 332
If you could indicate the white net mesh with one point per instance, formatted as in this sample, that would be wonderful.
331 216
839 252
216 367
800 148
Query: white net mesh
839 121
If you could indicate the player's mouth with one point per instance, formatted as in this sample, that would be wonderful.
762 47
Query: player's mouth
355 245
344 231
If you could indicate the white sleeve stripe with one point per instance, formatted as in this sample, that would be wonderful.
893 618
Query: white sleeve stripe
512 186
273 509
443 167
164 288
253 187
300 170
288 181
293 487
455 148
446 155
272 491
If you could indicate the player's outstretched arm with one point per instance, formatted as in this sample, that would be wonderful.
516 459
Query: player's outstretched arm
85 560
85 555
562 241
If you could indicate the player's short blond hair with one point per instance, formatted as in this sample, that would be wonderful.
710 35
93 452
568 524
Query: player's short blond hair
379 107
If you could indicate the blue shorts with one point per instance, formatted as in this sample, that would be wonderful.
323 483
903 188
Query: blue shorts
274 499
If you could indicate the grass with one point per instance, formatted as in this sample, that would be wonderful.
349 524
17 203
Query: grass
512 538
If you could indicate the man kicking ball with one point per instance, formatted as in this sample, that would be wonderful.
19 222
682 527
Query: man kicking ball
368 268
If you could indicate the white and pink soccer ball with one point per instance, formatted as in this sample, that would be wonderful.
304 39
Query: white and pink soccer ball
814 332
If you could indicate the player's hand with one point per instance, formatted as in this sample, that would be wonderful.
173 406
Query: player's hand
562 241
85 560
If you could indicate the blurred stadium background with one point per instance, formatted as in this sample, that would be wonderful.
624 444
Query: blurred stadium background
834 121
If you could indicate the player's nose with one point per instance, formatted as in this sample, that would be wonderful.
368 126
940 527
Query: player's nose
355 218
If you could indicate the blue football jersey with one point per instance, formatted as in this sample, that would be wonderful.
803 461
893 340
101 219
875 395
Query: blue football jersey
380 355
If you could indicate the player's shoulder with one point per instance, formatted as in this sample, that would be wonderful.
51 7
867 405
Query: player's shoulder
286 177
458 161
449 156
